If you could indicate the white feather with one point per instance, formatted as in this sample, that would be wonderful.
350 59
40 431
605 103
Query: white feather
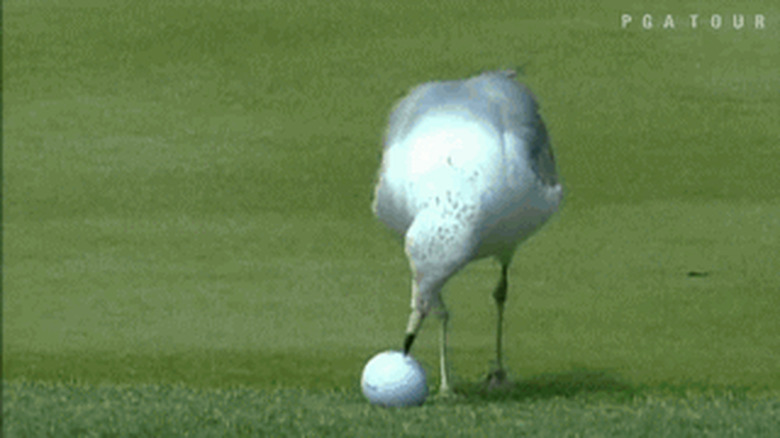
467 172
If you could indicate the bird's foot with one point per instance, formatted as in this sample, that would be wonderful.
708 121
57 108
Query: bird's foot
497 380
446 394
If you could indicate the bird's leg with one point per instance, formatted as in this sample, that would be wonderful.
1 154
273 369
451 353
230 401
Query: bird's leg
444 388
498 376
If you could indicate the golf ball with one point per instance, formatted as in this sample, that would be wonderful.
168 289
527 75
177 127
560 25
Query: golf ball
392 379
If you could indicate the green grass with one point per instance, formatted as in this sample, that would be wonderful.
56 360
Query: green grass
186 196
41 410
618 298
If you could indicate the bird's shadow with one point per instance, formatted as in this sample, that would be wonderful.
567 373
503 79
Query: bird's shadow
544 386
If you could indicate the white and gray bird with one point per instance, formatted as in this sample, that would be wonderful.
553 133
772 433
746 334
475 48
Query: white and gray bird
467 172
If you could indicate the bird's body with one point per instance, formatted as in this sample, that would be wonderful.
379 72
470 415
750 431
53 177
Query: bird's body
467 172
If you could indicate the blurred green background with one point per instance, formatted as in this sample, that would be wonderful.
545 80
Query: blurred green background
187 191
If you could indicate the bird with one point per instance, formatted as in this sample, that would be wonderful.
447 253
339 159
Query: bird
467 172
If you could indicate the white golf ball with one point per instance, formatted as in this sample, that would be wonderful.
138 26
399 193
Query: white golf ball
393 379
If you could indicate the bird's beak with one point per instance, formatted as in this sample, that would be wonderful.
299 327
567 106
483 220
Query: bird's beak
408 343
415 322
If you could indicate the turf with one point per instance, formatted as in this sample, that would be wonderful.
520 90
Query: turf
41 410
186 194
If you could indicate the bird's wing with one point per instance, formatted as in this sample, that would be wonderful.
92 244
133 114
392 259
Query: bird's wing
520 120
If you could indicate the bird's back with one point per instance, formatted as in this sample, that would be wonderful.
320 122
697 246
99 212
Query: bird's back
477 147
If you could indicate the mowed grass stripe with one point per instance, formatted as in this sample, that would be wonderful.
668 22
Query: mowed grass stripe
41 410
662 292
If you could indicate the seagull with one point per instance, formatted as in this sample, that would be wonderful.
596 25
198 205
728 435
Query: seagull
467 173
